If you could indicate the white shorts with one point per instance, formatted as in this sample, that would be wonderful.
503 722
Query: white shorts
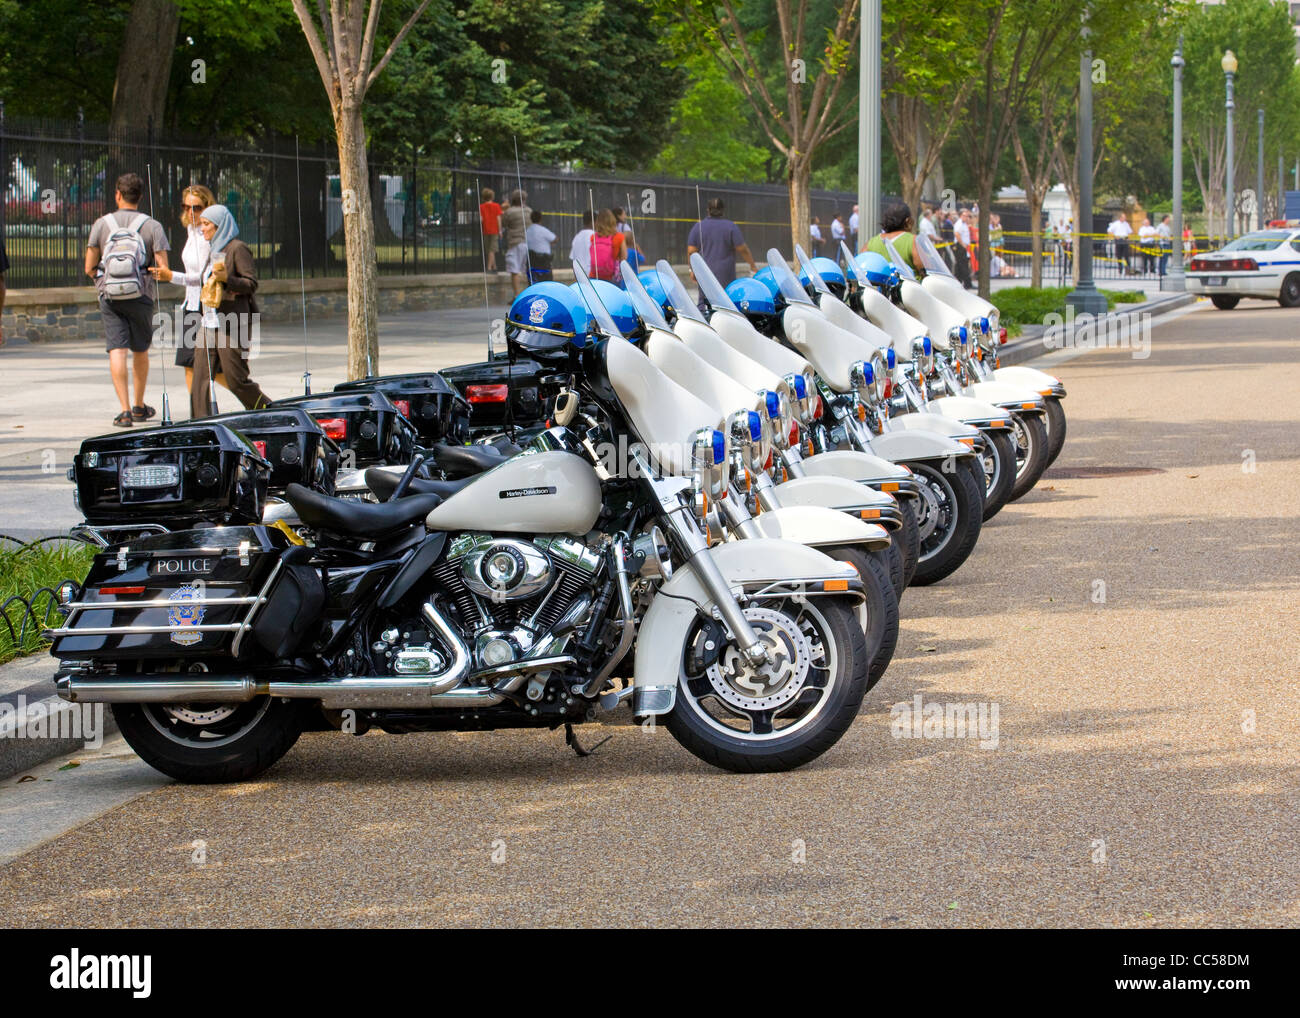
517 260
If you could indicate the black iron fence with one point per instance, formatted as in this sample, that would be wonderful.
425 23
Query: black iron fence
57 178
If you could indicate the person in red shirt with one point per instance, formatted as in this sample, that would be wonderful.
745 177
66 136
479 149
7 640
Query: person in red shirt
489 214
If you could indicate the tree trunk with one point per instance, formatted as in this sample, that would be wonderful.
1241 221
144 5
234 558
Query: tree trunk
800 172
359 240
912 190
144 66
1036 238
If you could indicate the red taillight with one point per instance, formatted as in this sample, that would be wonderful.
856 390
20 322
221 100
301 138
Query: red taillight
334 427
121 590
403 407
260 446
487 393
1002 335
1224 265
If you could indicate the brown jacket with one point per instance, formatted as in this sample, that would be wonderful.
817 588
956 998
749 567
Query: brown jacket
241 279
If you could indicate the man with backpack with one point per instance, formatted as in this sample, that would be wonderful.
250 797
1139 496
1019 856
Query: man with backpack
720 243
122 246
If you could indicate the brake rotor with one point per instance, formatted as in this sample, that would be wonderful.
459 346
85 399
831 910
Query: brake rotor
773 684
191 714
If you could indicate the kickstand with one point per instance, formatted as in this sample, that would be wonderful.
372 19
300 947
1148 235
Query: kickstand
571 739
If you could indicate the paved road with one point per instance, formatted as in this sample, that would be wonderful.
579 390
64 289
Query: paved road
1145 772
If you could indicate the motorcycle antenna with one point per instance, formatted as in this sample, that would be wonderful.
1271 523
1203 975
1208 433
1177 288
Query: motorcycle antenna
627 197
302 271
162 362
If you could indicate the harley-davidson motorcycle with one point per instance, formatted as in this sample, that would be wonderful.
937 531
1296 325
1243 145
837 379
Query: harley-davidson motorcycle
513 602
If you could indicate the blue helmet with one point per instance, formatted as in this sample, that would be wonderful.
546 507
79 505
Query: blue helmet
750 295
832 275
551 309
768 279
617 303
755 301
655 288
877 268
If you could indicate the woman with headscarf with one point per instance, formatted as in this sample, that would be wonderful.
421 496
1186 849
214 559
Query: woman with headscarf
229 285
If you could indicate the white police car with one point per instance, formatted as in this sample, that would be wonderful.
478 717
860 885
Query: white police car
1264 264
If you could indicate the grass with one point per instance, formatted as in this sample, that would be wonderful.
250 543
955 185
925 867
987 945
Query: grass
25 569
1025 305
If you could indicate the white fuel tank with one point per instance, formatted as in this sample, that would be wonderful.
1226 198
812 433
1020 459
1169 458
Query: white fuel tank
533 493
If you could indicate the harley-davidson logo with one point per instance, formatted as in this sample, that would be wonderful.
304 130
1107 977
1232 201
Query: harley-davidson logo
525 492
537 311
186 611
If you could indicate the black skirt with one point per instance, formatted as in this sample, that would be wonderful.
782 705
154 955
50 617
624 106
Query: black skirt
184 347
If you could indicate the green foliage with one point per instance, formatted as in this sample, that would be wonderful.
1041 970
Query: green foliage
23 571
1026 305
712 131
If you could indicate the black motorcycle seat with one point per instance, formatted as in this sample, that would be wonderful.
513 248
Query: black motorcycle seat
384 482
354 518
463 460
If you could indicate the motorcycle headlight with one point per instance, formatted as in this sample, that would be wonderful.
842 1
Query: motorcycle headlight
923 355
747 433
800 391
710 471
862 375
882 367
891 358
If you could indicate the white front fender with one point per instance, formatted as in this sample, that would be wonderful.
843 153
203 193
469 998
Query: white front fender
817 525
936 424
965 408
901 446
1031 378
831 492
1003 392
751 565
856 466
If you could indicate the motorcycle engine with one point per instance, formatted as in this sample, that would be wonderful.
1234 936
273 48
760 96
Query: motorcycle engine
511 594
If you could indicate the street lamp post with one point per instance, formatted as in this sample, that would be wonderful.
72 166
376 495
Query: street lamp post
869 124
1229 64
1175 279
1259 177
1084 298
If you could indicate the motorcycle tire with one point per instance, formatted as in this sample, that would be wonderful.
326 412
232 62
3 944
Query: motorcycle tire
766 748
909 541
1056 428
1035 461
957 500
892 560
881 606
203 744
996 496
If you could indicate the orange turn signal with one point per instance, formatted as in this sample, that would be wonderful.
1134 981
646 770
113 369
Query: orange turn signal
835 585
889 486
870 514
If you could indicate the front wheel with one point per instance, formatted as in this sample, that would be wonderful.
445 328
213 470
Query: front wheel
951 514
997 470
909 539
878 613
211 743
1056 429
782 714
1031 453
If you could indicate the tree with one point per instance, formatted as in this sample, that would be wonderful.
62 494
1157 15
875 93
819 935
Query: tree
797 119
342 44
144 66
929 63
697 148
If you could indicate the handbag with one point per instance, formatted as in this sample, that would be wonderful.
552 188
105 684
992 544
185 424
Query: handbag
212 293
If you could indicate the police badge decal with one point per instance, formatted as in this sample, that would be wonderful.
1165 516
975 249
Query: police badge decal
186 612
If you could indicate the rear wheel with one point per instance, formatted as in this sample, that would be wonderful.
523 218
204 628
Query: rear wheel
950 516
780 715
1031 453
996 470
1289 295
207 743
1224 301
1056 429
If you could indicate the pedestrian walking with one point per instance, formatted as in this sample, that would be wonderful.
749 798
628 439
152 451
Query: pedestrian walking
194 257
122 246
853 231
539 239
489 217
815 232
580 248
1147 245
926 226
720 243
838 233
227 294
514 228
608 247
961 244
1119 232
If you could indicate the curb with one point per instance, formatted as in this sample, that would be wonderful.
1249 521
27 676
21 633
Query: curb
20 750
1030 342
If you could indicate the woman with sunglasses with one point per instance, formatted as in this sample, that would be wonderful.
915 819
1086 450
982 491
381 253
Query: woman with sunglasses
194 199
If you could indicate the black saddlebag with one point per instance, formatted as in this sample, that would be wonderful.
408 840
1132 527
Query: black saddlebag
292 442
217 592
365 425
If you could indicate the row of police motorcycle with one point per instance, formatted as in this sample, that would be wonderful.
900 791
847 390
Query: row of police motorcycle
710 510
